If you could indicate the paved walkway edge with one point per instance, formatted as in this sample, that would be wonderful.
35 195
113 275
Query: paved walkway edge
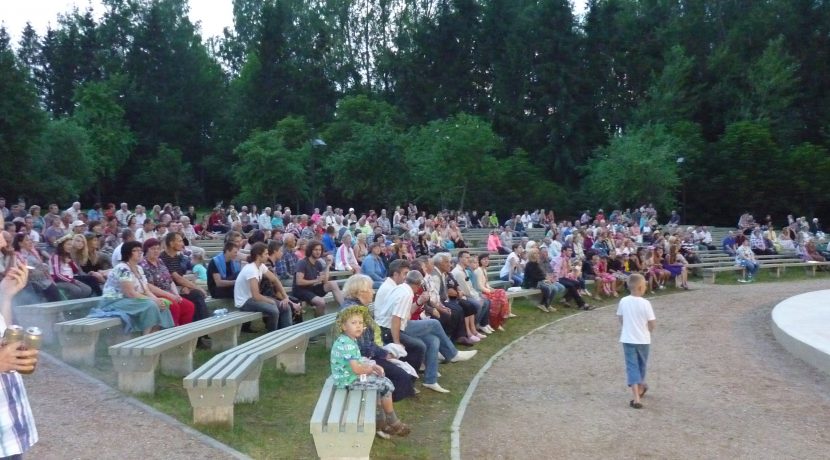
149 409
455 429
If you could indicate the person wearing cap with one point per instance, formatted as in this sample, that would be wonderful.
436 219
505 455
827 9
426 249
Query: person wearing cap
78 227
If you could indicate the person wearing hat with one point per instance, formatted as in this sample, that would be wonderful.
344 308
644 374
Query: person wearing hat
78 227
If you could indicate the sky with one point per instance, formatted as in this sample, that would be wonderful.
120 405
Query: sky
213 15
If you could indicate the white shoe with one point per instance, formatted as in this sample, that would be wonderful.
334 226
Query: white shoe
501 329
542 307
438 374
490 330
463 355
436 387
441 357
512 315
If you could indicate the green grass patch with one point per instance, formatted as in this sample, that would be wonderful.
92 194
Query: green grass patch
277 426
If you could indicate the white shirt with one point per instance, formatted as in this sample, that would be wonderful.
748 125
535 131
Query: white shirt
512 259
264 221
383 306
636 312
344 258
241 287
397 303
140 218
34 236
116 255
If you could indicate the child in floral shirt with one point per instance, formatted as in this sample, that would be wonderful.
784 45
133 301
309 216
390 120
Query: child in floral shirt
350 370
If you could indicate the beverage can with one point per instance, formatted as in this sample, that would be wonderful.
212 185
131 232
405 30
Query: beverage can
32 340
14 334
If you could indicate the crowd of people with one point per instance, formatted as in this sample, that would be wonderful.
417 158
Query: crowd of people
407 304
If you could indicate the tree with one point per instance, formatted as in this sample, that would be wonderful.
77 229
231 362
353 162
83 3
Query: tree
268 171
636 167
171 176
110 139
21 120
61 167
452 158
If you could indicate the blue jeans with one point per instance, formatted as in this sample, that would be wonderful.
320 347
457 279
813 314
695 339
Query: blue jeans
516 279
551 292
431 334
750 266
636 358
275 317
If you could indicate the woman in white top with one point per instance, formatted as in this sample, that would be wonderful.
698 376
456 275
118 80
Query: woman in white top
344 258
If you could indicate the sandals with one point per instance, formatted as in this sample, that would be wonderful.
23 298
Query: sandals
635 405
398 429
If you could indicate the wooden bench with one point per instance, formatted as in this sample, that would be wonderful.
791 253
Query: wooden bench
79 337
233 376
136 360
46 315
343 423
521 293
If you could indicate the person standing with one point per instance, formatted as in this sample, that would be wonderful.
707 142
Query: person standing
637 322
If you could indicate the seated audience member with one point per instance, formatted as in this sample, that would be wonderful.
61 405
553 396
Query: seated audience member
358 292
455 300
286 267
345 259
811 252
39 281
535 277
361 247
499 305
178 265
567 276
126 235
373 266
481 321
729 244
161 283
79 252
311 279
65 271
746 258
128 296
513 268
675 263
53 233
759 244
451 315
95 261
248 295
329 241
222 272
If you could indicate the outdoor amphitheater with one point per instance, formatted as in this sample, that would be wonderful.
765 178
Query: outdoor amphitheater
736 371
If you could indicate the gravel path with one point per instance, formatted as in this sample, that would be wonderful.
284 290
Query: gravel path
720 387
80 418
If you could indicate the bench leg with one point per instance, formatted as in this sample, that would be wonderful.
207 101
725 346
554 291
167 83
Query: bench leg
293 360
225 340
213 406
249 387
136 374
79 348
709 277
179 360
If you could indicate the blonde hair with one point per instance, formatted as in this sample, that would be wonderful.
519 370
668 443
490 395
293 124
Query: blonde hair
80 256
533 255
356 284
635 279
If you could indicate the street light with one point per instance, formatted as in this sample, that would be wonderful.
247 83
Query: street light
680 161
316 142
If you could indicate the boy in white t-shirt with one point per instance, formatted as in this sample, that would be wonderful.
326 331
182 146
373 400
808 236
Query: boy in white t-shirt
637 321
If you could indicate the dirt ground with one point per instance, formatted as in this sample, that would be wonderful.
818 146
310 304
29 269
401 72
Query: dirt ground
720 387
80 418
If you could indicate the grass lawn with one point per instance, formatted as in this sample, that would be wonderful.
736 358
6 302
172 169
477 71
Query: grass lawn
277 426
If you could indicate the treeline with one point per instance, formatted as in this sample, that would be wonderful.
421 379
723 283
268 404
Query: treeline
713 106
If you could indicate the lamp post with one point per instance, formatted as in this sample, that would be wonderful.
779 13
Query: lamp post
316 142
680 161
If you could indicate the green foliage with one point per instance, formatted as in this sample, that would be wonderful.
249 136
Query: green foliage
61 165
171 177
269 172
637 167
452 158
809 167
